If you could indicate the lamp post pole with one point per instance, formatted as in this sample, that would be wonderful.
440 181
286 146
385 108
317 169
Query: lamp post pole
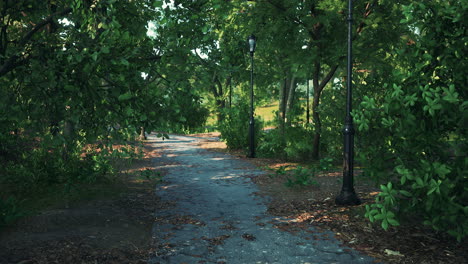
307 100
347 195
230 91
252 44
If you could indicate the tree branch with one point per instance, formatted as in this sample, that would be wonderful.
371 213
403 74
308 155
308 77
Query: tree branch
328 77
213 85
295 19
11 62
41 24
367 12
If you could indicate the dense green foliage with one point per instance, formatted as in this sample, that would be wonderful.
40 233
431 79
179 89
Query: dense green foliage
294 144
301 177
79 73
74 74
410 79
233 127
420 119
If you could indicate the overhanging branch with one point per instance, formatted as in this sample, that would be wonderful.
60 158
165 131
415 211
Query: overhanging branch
328 77
11 62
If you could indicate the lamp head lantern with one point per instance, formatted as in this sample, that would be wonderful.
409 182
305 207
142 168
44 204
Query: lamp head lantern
252 43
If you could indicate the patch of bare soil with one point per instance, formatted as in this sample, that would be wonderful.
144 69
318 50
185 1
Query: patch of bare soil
314 205
115 229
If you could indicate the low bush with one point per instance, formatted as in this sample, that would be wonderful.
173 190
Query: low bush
234 127
9 211
47 166
294 144
301 177
420 124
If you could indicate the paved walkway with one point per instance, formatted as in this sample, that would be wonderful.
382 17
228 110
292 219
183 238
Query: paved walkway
224 221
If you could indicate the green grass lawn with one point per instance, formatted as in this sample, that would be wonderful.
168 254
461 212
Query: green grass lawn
267 113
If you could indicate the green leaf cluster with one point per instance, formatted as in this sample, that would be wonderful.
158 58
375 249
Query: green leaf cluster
301 177
234 127
293 144
420 123
78 73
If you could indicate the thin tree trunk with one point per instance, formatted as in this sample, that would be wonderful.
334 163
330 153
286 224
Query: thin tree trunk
282 109
282 105
142 134
221 105
318 88
69 135
307 103
229 84
290 100
316 116
217 89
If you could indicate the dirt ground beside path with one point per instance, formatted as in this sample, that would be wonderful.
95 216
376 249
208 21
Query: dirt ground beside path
314 205
114 229
110 231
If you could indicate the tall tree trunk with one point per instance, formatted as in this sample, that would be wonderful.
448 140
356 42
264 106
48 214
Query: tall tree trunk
315 114
221 104
282 110
142 134
69 135
282 105
229 84
217 90
318 88
290 100
307 102
317 124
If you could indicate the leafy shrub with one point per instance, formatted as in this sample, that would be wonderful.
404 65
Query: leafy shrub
294 144
150 175
416 133
299 142
234 127
50 164
272 144
281 170
302 177
326 164
9 211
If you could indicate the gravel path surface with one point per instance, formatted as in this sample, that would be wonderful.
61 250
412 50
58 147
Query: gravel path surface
217 218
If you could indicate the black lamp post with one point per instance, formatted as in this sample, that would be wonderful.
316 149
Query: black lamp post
252 43
347 195
307 102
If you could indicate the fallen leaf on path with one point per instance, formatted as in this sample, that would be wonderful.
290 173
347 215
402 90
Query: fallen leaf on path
249 237
217 240
393 253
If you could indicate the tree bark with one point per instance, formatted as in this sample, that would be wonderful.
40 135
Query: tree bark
142 134
282 108
217 90
15 60
315 114
229 84
290 100
307 102
69 135
318 88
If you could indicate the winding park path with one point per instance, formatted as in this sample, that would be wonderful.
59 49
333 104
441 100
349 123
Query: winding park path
217 218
